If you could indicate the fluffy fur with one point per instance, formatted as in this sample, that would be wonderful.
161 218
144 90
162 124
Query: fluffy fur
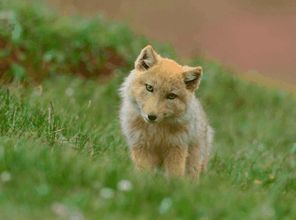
178 137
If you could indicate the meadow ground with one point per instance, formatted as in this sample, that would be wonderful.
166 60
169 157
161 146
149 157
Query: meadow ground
62 154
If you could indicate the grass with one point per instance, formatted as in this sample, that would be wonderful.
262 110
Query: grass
62 154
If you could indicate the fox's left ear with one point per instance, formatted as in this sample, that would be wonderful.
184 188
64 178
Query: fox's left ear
147 58
192 77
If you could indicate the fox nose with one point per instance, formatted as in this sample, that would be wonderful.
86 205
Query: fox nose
152 117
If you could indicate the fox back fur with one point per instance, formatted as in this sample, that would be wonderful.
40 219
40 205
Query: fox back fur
164 123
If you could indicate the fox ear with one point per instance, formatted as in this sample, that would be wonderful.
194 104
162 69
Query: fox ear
147 58
192 77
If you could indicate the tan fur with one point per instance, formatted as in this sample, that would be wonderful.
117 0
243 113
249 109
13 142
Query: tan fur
180 138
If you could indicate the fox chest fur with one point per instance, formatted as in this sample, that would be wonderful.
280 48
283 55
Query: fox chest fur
159 136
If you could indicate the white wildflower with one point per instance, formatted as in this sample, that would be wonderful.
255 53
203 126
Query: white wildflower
106 193
64 212
69 92
266 211
5 176
76 216
124 185
59 209
165 205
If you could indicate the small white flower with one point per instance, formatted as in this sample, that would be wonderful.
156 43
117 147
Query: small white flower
165 205
69 92
59 209
266 211
64 212
5 176
76 216
107 193
124 185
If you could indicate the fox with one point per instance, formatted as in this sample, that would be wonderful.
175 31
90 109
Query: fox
162 119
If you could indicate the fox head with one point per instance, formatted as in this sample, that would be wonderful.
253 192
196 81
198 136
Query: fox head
162 89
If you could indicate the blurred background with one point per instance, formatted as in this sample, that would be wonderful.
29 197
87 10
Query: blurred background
255 37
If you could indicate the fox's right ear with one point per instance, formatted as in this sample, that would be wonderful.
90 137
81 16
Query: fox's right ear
192 77
147 58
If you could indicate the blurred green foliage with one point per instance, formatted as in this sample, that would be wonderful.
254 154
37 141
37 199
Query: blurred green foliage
36 42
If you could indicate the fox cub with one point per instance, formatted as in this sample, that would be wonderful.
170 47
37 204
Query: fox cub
163 121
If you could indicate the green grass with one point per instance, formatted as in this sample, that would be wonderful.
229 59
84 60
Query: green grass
62 154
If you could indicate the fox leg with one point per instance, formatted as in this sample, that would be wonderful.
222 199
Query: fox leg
196 161
175 161
143 159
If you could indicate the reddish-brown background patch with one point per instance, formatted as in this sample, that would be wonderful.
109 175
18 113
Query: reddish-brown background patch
250 35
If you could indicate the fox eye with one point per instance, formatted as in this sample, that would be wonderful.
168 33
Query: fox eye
149 88
171 96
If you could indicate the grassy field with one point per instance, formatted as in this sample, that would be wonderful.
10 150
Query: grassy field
62 155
